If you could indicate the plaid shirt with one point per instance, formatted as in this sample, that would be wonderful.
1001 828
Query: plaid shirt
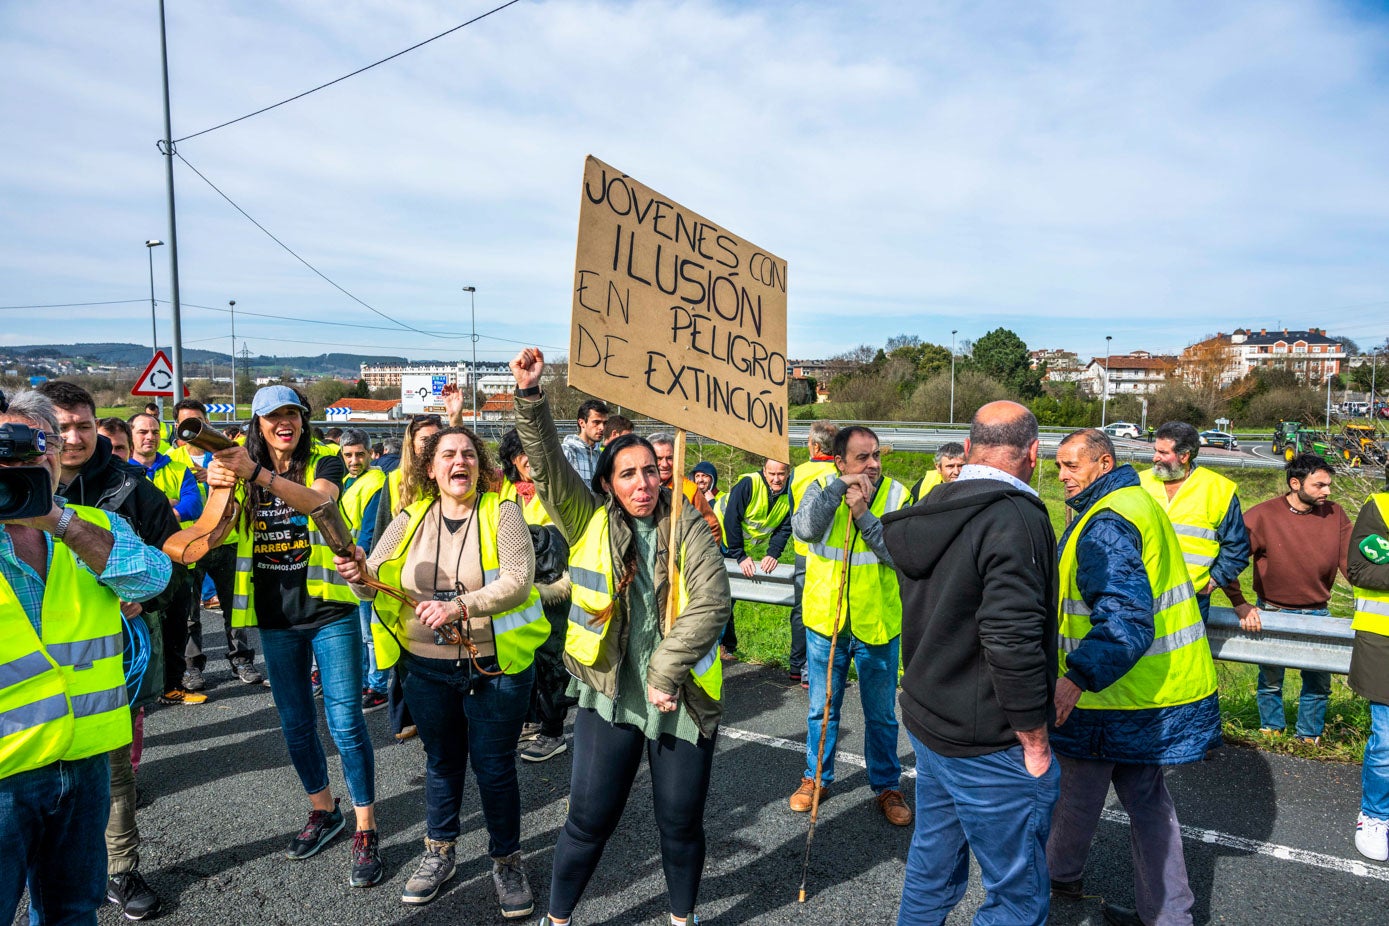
133 571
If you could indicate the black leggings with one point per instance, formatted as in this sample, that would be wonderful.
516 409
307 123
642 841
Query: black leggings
606 759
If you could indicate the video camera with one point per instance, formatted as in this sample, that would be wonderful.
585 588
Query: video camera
25 491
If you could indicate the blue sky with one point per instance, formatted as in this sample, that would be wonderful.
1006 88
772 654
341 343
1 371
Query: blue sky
1151 171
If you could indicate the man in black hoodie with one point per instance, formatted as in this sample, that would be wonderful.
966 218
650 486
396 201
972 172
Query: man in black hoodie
976 562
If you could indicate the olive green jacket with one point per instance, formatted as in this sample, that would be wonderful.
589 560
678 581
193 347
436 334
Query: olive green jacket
697 630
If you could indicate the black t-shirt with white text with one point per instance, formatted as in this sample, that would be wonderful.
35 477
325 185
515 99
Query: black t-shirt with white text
280 561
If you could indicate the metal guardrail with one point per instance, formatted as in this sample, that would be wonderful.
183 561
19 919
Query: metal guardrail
1294 641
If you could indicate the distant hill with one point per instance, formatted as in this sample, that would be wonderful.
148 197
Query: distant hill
137 355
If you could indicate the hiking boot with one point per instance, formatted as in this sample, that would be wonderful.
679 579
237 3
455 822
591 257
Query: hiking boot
513 890
323 825
179 696
435 868
543 747
892 805
129 891
372 701
805 793
1372 838
247 673
529 731
212 604
193 679
407 732
366 859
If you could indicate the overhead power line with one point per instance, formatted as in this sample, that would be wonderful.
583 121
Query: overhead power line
338 80
74 305
331 282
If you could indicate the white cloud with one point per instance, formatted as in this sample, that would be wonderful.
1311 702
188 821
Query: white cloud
1153 170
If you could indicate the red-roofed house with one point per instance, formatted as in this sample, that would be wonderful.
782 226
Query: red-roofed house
364 410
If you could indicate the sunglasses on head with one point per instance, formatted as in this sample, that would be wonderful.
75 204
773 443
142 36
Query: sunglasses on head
426 419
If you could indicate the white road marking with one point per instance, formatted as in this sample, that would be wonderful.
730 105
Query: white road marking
1194 833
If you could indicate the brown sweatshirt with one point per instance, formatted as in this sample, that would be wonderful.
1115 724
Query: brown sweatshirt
1295 555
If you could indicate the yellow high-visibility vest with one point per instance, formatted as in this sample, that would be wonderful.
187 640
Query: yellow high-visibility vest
531 509
62 691
874 603
801 478
762 516
322 581
354 499
1177 668
925 485
1372 604
1195 511
592 574
518 632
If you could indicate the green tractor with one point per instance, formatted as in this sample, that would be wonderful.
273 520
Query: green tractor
1291 439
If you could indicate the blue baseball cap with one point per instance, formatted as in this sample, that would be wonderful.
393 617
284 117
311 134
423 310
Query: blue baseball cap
269 398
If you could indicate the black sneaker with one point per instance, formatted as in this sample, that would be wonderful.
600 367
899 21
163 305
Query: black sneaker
372 701
543 747
323 825
366 859
513 890
129 891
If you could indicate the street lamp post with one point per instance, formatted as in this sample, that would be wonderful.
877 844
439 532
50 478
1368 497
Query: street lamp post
472 373
232 304
1104 397
952 374
150 245
1374 363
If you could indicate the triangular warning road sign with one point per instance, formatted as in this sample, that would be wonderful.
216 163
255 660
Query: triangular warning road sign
158 378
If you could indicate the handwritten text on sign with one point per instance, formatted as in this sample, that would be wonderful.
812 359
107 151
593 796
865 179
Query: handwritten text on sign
677 317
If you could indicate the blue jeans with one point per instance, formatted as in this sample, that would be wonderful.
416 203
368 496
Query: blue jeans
1374 774
460 715
1316 690
376 680
877 688
53 830
338 649
993 805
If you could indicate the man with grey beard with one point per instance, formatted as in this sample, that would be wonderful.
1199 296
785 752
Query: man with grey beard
1203 508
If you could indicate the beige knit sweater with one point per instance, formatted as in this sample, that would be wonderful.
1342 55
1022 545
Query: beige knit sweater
458 557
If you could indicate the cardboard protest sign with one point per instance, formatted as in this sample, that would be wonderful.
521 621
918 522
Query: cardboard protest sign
677 317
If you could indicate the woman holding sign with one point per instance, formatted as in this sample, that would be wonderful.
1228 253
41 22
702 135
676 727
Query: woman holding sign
648 681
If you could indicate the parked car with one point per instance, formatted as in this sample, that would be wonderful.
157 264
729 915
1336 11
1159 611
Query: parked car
1122 429
1221 439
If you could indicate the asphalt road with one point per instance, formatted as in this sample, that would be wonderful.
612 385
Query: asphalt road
1269 838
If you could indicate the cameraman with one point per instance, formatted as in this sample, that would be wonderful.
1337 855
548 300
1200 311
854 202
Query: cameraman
62 577
92 475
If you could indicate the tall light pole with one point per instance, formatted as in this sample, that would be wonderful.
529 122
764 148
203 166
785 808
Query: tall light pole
952 374
1374 364
166 147
150 245
1104 396
1326 375
472 373
232 304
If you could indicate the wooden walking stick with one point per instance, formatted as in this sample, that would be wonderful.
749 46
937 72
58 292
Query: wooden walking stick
829 697
677 498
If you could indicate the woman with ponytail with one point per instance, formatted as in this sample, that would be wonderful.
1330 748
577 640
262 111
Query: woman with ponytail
645 684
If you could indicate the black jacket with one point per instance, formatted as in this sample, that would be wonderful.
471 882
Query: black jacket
976 562
107 483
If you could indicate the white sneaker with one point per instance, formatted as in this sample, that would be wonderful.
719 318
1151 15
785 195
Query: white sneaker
1372 838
